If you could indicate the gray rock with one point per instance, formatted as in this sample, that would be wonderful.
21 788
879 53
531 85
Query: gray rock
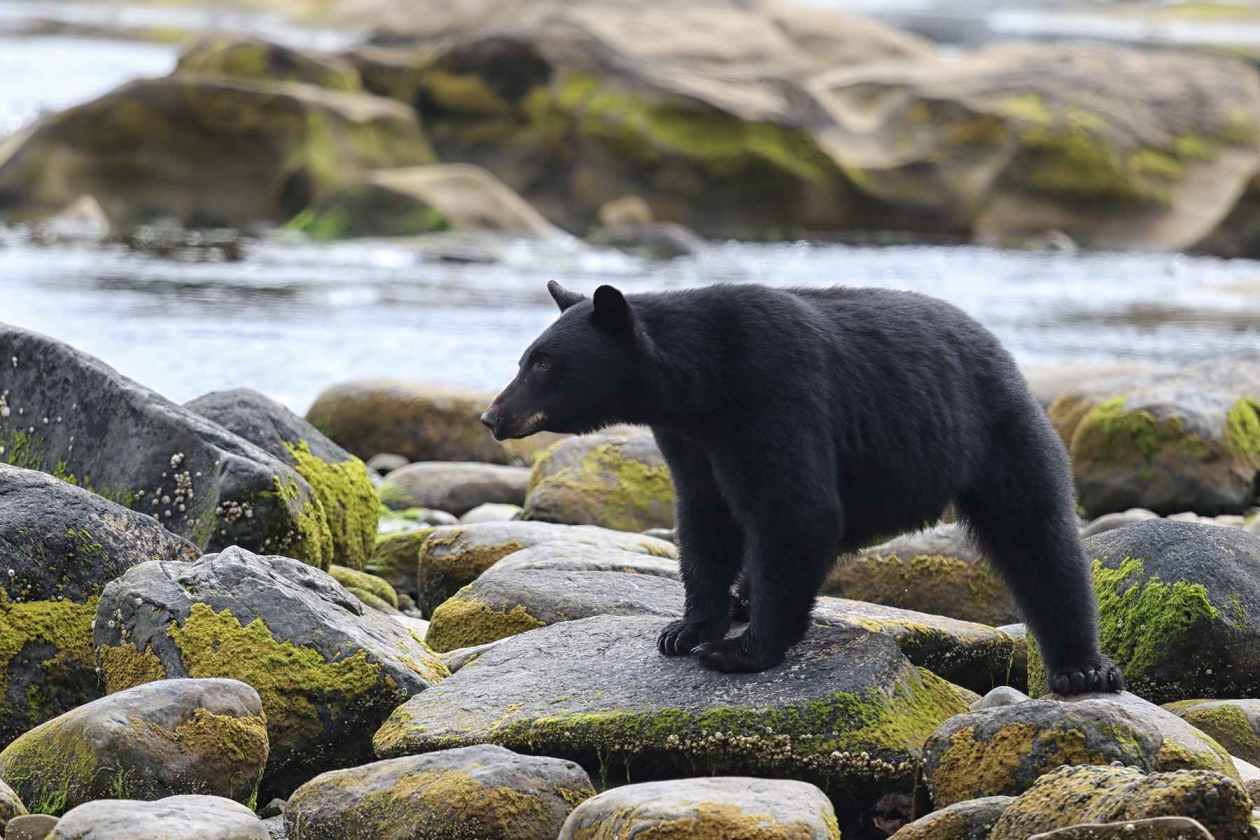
276 829
164 738
412 519
66 413
1234 723
1155 828
59 546
29 827
481 791
491 512
846 709
10 805
328 669
1001 696
386 462
460 657
969 820
565 556
453 486
723 807
202 817
1111 521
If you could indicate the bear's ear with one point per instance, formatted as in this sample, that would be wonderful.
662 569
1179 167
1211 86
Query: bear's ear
612 310
562 296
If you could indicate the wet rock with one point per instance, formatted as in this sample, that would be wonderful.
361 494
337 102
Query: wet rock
30 827
200 736
576 556
421 423
358 582
229 152
59 546
328 669
340 480
972 819
772 809
453 486
935 571
491 512
451 558
1073 795
396 558
1235 724
846 709
68 414
386 462
481 791
203 817
614 479
10 805
1112 521
1003 751
256 60
1155 828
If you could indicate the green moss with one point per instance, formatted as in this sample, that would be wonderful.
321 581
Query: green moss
1108 434
1195 147
348 500
123 666
298 525
606 489
1226 723
1156 163
234 744
21 449
1028 107
52 770
465 621
396 557
354 579
56 635
1242 429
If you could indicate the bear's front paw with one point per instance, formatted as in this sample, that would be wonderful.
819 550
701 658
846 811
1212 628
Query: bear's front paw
680 637
736 656
1100 675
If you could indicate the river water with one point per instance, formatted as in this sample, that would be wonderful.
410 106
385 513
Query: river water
291 317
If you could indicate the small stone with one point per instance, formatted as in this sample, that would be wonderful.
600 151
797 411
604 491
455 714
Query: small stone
30 827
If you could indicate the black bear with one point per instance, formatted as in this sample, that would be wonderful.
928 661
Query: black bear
802 423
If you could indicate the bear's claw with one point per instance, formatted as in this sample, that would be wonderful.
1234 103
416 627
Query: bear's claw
681 637
732 656
1098 677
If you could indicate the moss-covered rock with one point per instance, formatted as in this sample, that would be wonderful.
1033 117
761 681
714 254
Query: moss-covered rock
1154 828
68 414
1235 724
410 520
456 487
731 807
203 817
615 479
1074 795
936 571
256 60
851 718
159 739
971 819
483 791
10 805
59 546
353 579
421 423
395 559
328 669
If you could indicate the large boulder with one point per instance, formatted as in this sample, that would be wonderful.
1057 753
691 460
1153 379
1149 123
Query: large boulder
10 805
1003 751
1168 442
67 413
328 669
1086 794
847 710
203 817
256 60
614 479
160 739
339 479
59 546
767 809
418 422
483 791
1235 724
206 151
1116 147
1152 828
455 487
969 820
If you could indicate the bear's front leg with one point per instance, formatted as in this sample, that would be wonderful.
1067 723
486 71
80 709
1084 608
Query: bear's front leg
710 547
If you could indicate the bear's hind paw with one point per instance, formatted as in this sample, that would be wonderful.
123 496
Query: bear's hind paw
1101 676
731 656
681 637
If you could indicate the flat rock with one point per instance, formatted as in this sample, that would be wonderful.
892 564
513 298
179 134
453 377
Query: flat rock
578 556
328 669
482 791
972 819
1235 724
30 827
1155 828
1112 521
69 414
164 738
59 546
768 809
457 487
846 709
202 817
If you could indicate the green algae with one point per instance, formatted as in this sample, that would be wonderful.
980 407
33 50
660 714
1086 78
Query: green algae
348 500
57 636
605 488
1110 434
355 579
1242 429
464 621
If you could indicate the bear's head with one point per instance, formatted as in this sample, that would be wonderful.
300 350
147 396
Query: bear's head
585 371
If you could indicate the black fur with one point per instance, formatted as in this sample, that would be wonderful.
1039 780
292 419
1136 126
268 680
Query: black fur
802 423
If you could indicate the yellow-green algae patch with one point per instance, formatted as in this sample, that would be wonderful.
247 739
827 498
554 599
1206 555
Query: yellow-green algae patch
65 627
464 621
971 591
1108 434
56 769
300 529
123 666
1242 430
712 821
1224 722
348 500
608 489
354 579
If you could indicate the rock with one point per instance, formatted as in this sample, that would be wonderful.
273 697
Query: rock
1003 751
396 558
229 152
1073 795
481 791
10 805
451 558
411 520
256 60
972 819
1189 440
846 709
503 603
453 486
460 657
654 240
420 423
202 817
339 479
423 199
66 413
578 556
935 571
164 738
1156 828
30 827
1235 724
59 546
275 828
1001 696
1016 141
386 462
769 809
491 512
615 479
352 579
1112 521
1049 382
328 670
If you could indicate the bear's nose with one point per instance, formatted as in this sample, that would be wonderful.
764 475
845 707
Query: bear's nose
489 419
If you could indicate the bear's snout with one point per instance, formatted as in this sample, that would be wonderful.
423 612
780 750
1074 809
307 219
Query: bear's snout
490 419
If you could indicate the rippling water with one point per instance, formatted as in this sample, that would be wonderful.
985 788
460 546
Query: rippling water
292 317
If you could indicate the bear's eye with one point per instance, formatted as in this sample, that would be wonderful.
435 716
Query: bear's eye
542 364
